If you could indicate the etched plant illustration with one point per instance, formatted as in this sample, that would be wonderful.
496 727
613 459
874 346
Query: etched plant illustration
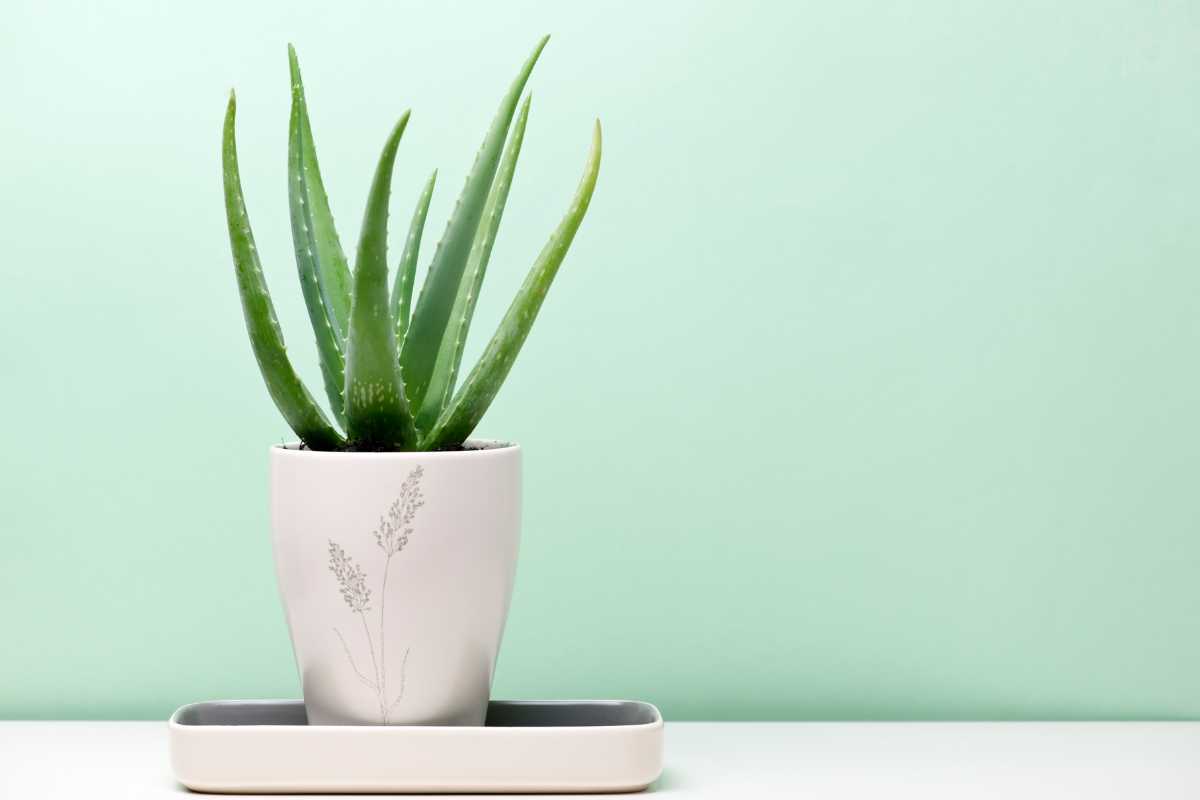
391 536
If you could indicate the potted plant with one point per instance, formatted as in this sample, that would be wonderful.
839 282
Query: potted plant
395 536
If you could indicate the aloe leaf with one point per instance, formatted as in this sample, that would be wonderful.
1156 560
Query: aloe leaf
377 415
330 267
287 390
318 253
445 370
407 269
435 304
472 400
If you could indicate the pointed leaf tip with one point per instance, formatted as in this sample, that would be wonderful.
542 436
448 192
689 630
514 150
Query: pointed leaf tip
401 297
294 70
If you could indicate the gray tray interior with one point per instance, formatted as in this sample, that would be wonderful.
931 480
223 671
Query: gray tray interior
501 713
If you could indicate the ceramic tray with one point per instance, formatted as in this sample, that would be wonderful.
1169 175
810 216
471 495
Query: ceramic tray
267 746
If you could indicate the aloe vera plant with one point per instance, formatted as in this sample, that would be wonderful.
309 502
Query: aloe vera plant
390 365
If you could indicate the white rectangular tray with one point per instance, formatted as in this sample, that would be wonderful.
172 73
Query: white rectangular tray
267 746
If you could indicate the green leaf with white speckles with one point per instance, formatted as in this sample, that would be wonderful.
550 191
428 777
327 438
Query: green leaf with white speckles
377 415
450 351
472 401
407 269
324 275
434 306
287 390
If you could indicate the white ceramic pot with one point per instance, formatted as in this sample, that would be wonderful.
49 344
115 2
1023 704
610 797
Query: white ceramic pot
396 571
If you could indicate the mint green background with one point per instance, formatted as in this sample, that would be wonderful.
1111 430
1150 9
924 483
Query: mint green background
868 390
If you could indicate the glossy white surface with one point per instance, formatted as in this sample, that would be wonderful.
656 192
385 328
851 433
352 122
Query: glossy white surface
407 630
847 761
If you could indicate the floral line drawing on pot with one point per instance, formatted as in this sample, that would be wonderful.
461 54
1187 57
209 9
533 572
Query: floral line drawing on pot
391 536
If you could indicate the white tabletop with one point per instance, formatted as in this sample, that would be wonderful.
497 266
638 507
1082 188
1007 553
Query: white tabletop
101 760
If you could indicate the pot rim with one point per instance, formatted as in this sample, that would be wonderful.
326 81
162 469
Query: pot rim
479 448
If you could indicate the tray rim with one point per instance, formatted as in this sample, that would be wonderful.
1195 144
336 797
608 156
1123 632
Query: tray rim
547 759
173 722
